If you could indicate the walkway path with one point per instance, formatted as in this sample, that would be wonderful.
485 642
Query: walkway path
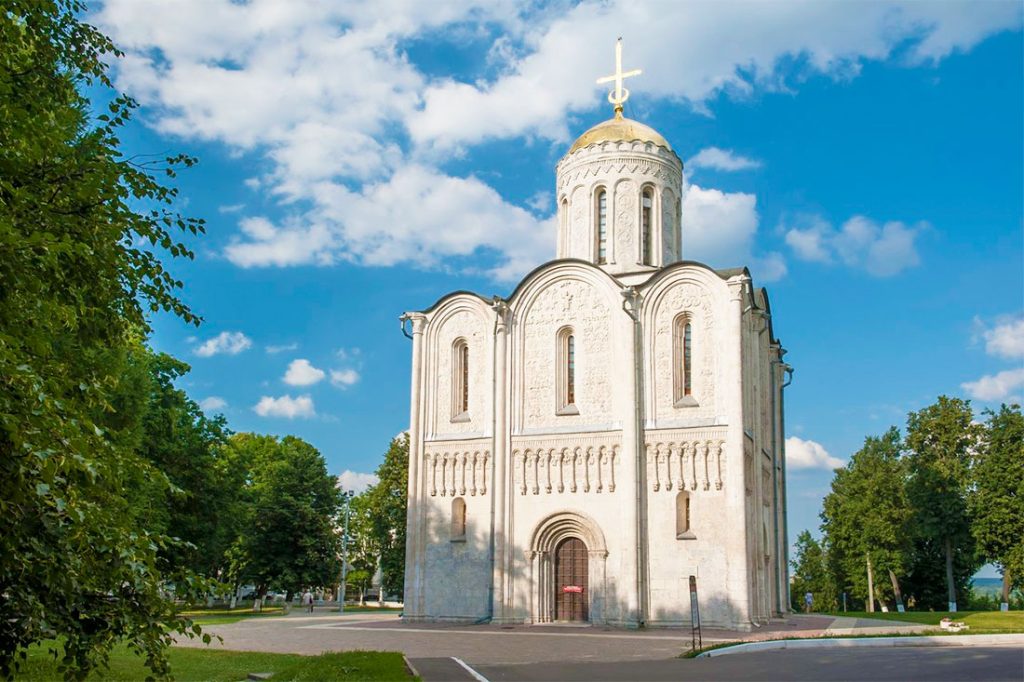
327 630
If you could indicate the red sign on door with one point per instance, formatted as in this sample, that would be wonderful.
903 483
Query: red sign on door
572 588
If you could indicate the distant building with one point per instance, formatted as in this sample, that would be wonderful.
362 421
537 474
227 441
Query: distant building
615 425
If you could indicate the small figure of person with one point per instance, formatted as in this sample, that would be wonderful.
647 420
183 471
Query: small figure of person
808 600
307 600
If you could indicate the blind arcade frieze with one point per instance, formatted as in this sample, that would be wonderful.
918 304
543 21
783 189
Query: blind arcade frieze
682 464
579 469
452 473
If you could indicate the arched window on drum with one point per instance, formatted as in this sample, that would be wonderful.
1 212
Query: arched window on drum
601 225
647 226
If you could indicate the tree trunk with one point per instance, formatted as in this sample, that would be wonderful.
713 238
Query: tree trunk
949 574
1005 606
871 587
896 591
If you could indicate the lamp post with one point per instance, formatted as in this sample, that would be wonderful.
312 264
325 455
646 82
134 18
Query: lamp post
344 552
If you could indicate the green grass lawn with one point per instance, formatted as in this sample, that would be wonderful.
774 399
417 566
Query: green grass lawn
223 616
979 621
229 666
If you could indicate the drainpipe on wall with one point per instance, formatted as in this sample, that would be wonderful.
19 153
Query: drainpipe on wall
782 449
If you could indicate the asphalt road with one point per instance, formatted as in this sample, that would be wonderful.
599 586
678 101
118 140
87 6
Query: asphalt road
895 664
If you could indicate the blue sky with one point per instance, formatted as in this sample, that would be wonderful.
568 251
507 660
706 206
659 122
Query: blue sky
362 159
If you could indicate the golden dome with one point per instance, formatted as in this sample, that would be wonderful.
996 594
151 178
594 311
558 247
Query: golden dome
620 129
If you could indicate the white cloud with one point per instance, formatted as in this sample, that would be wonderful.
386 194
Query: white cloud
718 227
735 47
282 348
230 208
353 134
301 373
882 250
722 160
343 378
995 386
213 404
1006 339
808 454
355 481
228 343
285 406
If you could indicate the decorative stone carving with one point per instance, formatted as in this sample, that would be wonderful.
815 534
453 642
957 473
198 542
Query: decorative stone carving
686 458
470 326
552 469
625 228
668 227
696 303
455 473
569 303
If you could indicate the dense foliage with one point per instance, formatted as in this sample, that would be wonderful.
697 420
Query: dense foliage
385 505
80 226
921 514
287 520
120 500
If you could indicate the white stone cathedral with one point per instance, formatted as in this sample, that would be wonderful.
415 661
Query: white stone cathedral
581 448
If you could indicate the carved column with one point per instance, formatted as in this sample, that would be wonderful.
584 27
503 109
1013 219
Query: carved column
634 469
414 515
501 592
738 547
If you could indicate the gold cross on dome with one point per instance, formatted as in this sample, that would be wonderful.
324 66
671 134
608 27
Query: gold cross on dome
619 95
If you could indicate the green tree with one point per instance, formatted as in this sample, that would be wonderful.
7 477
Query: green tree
811 574
363 546
386 502
864 519
996 501
940 440
80 230
184 444
289 538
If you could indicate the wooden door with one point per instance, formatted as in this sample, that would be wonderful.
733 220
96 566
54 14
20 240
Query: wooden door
572 593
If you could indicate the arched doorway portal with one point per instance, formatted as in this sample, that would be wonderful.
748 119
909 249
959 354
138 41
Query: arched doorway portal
567 550
572 593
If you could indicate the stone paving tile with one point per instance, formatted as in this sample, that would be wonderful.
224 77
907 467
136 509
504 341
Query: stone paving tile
483 644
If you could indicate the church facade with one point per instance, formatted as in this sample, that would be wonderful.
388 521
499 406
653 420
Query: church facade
581 448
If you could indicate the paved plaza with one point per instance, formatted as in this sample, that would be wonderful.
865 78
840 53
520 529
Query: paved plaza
595 653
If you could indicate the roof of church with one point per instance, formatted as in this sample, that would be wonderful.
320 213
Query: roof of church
620 129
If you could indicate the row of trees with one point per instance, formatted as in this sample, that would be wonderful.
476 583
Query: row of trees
116 491
910 519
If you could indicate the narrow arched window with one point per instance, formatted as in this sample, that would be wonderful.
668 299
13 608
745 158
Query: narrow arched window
460 380
565 384
683 516
682 361
570 370
458 530
646 233
602 226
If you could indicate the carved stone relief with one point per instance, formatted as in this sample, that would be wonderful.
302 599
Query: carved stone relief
452 473
668 227
625 228
692 462
576 304
568 469
696 302
467 325
580 233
